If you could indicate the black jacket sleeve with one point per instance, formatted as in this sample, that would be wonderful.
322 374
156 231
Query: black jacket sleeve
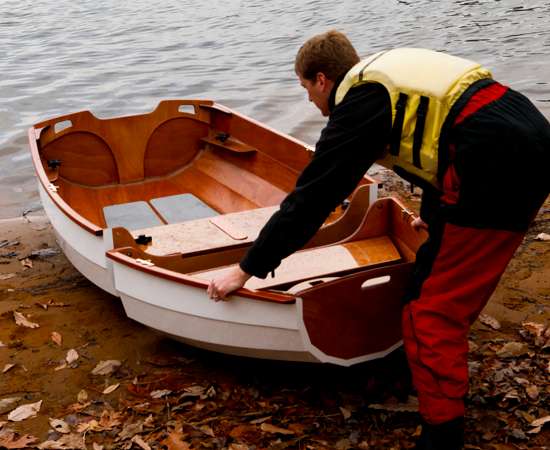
354 137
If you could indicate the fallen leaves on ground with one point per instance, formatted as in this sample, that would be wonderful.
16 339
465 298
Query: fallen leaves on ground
10 440
8 367
7 276
22 321
73 441
72 356
56 338
490 321
111 388
169 406
25 411
60 426
106 367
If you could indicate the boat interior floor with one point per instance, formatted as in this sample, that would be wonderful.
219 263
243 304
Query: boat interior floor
205 233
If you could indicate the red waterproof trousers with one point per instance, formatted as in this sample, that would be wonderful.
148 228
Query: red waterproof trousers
435 326
467 265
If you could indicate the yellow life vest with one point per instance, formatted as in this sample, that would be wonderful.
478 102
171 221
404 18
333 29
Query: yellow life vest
423 86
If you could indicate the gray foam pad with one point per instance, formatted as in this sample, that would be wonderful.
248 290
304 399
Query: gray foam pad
132 216
182 207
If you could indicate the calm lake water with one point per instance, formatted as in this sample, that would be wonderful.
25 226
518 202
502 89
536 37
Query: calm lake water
122 57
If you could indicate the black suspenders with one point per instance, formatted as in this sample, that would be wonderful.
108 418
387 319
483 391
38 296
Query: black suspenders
397 127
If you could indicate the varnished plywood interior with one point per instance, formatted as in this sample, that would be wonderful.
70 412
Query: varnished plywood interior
231 163
321 262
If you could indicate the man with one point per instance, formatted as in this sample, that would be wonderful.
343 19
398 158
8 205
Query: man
479 150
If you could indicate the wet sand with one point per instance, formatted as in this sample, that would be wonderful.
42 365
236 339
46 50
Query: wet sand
94 324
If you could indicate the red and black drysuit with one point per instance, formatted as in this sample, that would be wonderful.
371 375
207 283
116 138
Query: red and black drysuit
495 154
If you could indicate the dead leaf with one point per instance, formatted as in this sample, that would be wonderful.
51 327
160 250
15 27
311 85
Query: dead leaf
26 263
9 440
174 442
7 276
130 430
472 346
160 393
238 447
106 367
60 426
543 237
532 391
8 367
269 428
61 366
207 430
82 396
111 388
534 328
490 321
345 412
68 441
7 403
260 420
22 321
72 356
512 349
140 442
91 425
57 338
540 421
109 419
25 411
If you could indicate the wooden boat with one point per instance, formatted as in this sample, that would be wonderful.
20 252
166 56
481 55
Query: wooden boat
151 207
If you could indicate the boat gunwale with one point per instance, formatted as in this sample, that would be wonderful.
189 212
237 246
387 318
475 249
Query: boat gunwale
34 137
61 204
117 255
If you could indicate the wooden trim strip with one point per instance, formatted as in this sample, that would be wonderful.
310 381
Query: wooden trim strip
118 256
56 198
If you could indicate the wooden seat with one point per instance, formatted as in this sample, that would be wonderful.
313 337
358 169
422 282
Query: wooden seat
208 233
321 262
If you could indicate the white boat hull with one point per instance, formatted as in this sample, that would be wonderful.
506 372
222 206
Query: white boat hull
85 251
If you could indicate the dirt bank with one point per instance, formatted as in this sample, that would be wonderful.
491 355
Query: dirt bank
167 395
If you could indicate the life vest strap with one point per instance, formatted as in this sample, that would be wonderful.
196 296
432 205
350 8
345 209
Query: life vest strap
421 113
397 128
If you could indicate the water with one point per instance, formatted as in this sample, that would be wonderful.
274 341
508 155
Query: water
122 57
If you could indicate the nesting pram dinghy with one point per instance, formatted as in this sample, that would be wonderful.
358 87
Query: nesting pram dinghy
151 207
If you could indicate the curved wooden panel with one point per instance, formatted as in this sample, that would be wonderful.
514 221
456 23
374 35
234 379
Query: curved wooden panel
173 145
85 159
344 321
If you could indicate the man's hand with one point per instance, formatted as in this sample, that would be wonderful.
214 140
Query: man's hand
221 287
418 224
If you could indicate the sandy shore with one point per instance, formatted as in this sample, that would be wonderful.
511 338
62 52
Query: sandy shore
48 291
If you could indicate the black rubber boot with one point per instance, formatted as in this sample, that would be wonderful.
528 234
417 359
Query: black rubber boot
444 436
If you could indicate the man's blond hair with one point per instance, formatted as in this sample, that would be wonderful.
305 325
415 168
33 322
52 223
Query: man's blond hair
330 53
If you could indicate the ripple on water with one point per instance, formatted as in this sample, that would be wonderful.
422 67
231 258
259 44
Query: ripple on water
68 56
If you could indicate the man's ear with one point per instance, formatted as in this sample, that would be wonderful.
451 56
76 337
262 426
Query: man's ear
321 79
324 83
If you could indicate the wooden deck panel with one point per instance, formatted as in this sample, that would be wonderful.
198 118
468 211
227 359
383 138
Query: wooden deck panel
321 262
203 234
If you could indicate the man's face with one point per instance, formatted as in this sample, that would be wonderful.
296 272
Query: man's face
318 91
